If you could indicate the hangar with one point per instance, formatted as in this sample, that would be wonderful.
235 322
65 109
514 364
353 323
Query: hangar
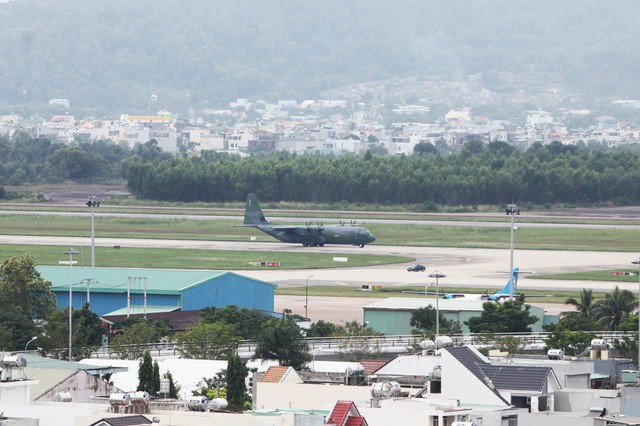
135 291
393 315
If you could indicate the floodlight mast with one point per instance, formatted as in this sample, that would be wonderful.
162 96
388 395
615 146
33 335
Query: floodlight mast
437 275
512 210
93 203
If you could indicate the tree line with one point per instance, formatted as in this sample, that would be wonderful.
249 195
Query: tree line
494 173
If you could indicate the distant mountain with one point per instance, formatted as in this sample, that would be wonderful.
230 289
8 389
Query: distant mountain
112 56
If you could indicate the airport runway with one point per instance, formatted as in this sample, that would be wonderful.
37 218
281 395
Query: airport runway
465 267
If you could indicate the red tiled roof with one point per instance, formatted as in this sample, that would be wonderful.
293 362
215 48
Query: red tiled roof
274 374
372 365
340 413
356 421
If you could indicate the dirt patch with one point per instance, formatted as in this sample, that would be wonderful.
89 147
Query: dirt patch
70 194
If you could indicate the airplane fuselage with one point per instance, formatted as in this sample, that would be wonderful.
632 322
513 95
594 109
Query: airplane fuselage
319 236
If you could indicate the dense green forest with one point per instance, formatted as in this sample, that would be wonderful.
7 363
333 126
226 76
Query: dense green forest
112 56
479 174
494 173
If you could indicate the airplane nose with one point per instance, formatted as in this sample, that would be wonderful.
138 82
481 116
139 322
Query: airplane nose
371 238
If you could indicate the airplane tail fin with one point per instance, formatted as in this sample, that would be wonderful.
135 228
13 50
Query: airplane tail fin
506 291
253 213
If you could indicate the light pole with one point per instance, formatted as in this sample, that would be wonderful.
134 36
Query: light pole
306 296
511 210
32 339
637 262
93 203
70 252
437 275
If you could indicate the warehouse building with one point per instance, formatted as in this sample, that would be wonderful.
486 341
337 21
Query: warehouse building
393 315
128 291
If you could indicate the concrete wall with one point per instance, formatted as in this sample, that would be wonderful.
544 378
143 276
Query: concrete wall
461 384
305 396
581 400
630 401
18 392
553 419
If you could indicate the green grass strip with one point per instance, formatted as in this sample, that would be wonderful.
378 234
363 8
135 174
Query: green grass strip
128 257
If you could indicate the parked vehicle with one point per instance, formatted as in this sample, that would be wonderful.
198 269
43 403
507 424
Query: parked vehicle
416 267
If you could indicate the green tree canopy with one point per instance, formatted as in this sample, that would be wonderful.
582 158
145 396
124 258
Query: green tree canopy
615 308
236 385
356 344
246 322
424 320
145 373
208 340
585 304
282 340
87 328
131 342
26 300
511 316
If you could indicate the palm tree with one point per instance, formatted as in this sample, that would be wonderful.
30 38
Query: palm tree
585 305
615 308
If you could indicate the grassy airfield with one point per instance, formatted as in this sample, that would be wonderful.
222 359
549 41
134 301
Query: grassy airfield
223 229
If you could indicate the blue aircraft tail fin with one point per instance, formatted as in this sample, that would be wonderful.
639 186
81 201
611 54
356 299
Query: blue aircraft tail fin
506 291
253 213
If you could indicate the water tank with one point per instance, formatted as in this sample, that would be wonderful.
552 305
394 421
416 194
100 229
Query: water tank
14 361
555 354
198 403
599 344
140 397
437 372
119 399
217 404
443 342
428 345
385 390
62 397
356 370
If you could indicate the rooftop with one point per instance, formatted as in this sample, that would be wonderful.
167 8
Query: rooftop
405 303
116 280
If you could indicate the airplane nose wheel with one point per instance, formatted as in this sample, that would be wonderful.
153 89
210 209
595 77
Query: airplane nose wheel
361 245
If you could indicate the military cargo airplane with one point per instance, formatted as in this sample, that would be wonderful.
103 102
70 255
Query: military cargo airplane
308 235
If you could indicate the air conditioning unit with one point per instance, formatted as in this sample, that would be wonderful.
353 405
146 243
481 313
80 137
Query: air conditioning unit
555 354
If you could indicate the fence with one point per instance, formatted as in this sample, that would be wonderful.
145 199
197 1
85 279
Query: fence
389 343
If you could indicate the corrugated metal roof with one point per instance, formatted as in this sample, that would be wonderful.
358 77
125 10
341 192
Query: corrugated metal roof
406 303
35 360
159 281
47 378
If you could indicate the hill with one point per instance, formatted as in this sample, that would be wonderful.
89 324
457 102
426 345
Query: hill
108 57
